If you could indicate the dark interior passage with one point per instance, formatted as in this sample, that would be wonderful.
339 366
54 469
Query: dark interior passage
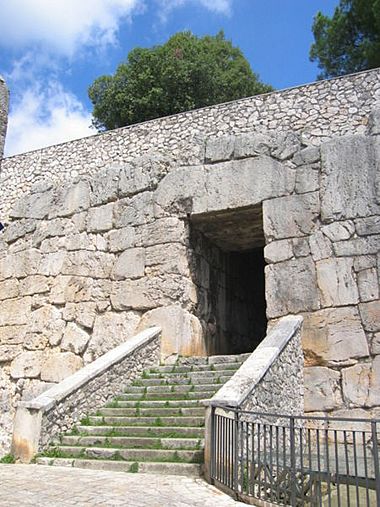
228 269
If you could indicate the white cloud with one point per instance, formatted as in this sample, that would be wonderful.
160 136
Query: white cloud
45 114
63 26
217 6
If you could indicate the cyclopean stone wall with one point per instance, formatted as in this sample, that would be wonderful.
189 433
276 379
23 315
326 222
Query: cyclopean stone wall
86 264
4 103
317 111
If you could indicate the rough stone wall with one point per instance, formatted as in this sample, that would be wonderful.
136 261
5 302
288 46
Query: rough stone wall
4 103
318 111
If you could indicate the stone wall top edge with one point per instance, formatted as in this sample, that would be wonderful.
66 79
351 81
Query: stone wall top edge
260 97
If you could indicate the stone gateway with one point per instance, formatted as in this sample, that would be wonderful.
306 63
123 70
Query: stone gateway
212 225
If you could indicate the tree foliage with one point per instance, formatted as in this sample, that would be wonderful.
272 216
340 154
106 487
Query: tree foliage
349 41
185 73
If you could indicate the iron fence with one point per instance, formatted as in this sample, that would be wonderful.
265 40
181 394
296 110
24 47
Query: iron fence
296 461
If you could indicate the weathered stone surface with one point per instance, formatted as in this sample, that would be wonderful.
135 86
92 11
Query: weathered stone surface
220 148
339 231
9 352
278 251
60 365
71 200
15 311
320 246
181 332
167 258
333 336
322 392
121 239
33 206
82 313
52 263
301 247
143 173
9 289
287 144
307 179
243 183
336 282
375 344
74 339
84 263
292 216
130 264
358 246
367 226
164 230
361 383
308 155
370 315
110 330
104 185
368 285
18 229
291 287
35 341
250 145
364 262
20 265
100 219
136 210
35 284
349 175
12 335
27 365
48 322
71 289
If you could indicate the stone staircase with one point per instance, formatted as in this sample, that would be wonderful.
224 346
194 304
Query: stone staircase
156 425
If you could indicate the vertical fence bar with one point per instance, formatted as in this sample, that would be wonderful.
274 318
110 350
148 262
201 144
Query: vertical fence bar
376 460
235 440
293 461
213 442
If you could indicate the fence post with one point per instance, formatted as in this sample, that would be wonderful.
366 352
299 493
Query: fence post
212 450
376 460
235 444
293 490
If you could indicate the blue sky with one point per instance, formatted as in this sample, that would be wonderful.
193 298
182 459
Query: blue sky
52 50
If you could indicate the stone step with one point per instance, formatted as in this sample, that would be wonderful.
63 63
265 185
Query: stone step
157 403
183 388
201 395
148 421
144 431
176 455
133 442
188 469
231 358
153 412
159 370
188 375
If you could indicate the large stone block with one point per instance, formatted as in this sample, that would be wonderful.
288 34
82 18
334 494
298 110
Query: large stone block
322 389
278 251
242 183
27 365
336 282
349 177
59 365
181 332
110 330
292 216
9 289
71 289
100 219
12 335
18 229
368 284
35 284
21 264
368 226
104 185
163 230
52 263
291 287
339 231
253 144
130 264
357 246
136 210
85 263
361 383
74 339
333 336
219 148
36 205
82 313
370 315
320 246
74 199
121 239
47 322
15 311
167 258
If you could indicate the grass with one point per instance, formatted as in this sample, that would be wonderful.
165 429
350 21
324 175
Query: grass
85 421
134 468
8 459
113 404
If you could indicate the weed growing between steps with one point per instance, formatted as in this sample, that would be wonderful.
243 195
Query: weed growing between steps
8 459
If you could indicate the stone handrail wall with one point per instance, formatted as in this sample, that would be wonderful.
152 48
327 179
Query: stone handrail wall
56 410
318 111
4 103
270 380
272 377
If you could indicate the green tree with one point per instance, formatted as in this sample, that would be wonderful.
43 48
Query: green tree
185 73
349 41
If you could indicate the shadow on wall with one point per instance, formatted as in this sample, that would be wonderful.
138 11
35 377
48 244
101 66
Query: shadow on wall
227 267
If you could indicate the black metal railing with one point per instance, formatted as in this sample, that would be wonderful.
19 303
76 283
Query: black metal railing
296 461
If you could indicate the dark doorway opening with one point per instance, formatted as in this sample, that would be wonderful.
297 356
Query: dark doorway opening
228 269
